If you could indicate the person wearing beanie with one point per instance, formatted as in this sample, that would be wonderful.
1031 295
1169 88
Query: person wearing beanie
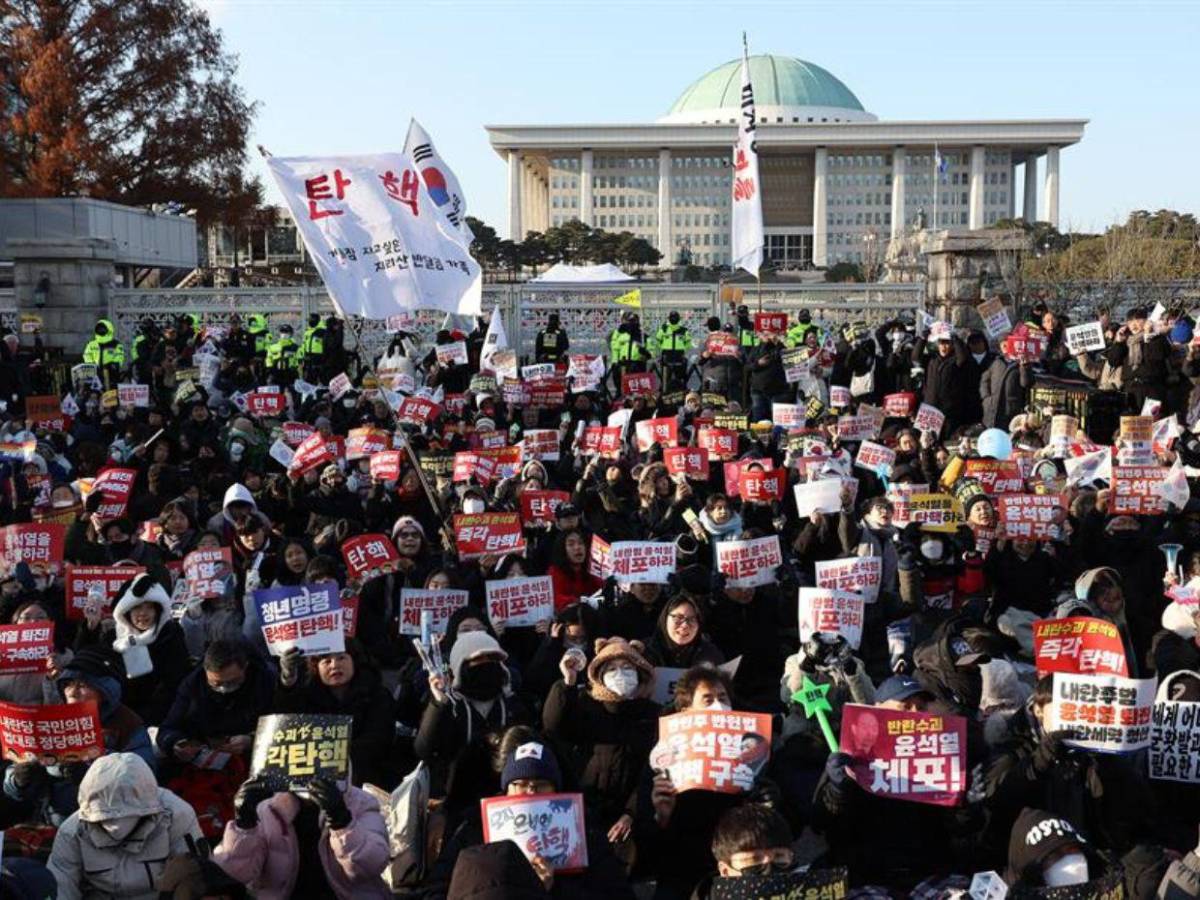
475 706
1176 646
611 723
1047 851
126 828
47 795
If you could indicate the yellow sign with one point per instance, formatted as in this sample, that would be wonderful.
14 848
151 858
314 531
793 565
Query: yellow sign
633 298
109 399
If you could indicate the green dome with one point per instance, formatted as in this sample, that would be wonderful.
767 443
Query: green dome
783 86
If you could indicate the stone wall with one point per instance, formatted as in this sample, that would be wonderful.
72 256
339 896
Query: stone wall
81 272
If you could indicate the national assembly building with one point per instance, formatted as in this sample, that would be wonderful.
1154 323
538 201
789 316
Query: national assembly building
833 175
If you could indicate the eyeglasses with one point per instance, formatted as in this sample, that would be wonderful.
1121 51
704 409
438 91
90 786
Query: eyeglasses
766 862
688 621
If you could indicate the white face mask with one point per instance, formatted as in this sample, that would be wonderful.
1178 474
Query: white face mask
718 706
978 357
1067 870
931 550
622 682
473 505
120 828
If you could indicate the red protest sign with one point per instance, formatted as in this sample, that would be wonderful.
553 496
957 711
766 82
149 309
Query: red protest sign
469 465
663 431
363 442
313 451
539 506
107 579
40 545
716 751
369 555
490 439
1079 645
691 462
756 486
900 405
996 476
51 734
506 460
770 323
721 443
550 393
417 411
721 343
635 384
116 485
46 410
1025 344
906 755
350 615
206 572
385 465
602 441
266 403
516 602
294 433
600 557
26 648
1134 491
1029 516
439 604
488 534
749 564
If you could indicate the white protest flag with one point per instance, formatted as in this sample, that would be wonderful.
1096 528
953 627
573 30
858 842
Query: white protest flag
440 181
1174 486
747 240
380 241
1089 468
495 339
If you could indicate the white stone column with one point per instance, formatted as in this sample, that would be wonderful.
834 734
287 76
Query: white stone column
664 208
898 169
1029 203
516 171
585 187
975 207
1052 186
820 245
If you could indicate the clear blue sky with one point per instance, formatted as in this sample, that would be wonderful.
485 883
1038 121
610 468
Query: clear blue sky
345 77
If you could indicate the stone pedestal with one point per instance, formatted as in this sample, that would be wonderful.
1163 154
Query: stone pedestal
962 263
81 272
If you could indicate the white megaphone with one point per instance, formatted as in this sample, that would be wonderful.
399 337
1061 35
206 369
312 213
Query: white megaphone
1171 552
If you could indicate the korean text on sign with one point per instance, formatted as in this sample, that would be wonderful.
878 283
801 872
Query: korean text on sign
26 647
1175 741
368 556
832 612
304 616
861 574
39 545
549 826
715 751
643 562
485 534
1080 645
1102 712
749 564
906 755
290 750
520 601
58 733
441 604
107 580
1029 516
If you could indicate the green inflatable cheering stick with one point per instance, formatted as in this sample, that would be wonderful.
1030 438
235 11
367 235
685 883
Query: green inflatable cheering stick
815 702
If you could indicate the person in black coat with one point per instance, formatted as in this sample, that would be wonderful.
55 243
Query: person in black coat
767 381
218 704
611 723
944 378
345 684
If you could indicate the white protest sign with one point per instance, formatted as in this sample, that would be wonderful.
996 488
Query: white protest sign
643 562
749 564
929 418
832 612
1086 337
995 318
1106 713
818 496
282 453
1174 735
517 602
860 574
875 458
440 603
340 386
452 354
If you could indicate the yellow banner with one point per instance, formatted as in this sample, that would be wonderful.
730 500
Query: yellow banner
633 298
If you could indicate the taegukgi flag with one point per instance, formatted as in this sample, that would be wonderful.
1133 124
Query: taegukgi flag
495 340
747 240
442 183
381 242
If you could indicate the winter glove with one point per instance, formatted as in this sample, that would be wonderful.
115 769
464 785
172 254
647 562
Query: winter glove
1049 751
289 667
245 803
836 769
327 796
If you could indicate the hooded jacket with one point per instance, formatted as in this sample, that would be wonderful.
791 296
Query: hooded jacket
266 858
88 862
222 522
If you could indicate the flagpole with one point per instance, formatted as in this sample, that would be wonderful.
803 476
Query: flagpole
935 185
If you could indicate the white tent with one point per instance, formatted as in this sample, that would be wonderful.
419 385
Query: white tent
561 273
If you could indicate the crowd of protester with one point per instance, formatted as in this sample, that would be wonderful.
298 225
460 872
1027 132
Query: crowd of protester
566 705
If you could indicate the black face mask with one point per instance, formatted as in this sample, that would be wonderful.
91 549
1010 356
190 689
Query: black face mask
482 681
119 550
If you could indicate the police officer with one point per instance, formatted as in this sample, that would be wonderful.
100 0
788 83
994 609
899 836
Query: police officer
312 348
552 342
673 341
256 326
625 350
105 352
281 354
800 328
747 339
